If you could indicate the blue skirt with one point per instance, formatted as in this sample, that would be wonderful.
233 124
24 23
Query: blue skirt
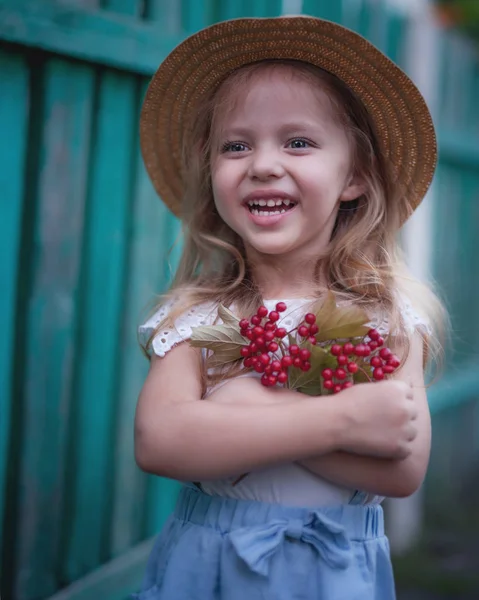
222 549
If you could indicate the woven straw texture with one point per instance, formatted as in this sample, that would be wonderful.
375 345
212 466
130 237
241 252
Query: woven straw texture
199 64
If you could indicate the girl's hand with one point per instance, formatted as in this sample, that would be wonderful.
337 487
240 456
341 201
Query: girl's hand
380 419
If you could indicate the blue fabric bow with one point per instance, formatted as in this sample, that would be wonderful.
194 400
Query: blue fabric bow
256 545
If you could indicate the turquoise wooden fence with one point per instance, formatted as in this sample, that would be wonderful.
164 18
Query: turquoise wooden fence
84 247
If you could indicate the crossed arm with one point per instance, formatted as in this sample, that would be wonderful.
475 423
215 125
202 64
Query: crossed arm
381 476
244 426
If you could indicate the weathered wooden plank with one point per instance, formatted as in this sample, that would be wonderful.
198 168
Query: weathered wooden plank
86 3
14 111
364 18
333 11
103 294
459 148
456 389
146 249
396 27
97 36
126 7
233 9
466 223
262 8
444 261
116 580
65 94
166 15
473 112
195 14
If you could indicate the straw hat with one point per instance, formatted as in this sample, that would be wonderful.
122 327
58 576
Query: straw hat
196 67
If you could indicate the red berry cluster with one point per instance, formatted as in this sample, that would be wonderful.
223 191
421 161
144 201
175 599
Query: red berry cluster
268 354
266 338
378 361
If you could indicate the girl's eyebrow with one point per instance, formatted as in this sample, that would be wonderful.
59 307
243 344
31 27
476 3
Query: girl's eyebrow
235 132
300 126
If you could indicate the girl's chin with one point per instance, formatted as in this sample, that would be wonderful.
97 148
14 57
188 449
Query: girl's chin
279 248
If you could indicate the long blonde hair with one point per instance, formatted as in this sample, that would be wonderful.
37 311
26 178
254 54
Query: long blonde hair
362 262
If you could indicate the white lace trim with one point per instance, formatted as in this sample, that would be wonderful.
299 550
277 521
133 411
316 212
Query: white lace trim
206 314
169 337
412 319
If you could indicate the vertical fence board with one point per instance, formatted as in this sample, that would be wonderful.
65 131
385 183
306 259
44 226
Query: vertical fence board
162 492
233 9
395 35
146 279
14 106
104 276
333 11
195 14
51 322
166 14
127 7
473 112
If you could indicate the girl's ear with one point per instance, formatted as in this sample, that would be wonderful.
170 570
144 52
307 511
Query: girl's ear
355 187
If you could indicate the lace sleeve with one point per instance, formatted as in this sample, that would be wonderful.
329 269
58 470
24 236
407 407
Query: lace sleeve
165 339
413 320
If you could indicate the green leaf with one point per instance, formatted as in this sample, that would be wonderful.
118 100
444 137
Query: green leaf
360 376
228 317
222 339
340 322
309 380
313 388
222 359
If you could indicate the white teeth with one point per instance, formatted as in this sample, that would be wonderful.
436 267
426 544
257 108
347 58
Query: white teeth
270 203
280 204
267 213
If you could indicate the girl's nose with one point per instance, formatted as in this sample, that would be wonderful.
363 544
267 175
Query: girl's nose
265 164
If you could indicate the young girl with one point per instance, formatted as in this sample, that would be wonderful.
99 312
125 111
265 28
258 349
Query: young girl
293 151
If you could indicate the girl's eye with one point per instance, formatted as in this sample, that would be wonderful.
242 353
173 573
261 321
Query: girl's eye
234 147
299 144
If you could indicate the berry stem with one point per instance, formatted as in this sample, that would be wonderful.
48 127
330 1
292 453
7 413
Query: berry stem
364 372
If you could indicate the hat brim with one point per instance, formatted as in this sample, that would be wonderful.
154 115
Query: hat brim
199 64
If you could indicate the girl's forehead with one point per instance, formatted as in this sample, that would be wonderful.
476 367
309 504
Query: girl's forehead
279 84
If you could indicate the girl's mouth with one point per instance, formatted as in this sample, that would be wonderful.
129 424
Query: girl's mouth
270 207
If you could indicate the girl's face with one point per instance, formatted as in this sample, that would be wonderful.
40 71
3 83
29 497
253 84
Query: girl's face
281 164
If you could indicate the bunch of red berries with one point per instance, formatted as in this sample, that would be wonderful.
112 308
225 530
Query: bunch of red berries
267 352
369 356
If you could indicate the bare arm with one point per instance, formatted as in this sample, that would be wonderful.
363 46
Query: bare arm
385 477
179 436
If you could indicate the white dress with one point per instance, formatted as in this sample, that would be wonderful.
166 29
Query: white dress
287 484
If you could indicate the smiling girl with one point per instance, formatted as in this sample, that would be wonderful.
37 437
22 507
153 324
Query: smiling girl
293 151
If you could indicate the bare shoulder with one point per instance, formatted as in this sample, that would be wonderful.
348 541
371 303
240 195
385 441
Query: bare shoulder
174 378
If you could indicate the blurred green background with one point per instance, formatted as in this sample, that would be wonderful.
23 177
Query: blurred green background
84 248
